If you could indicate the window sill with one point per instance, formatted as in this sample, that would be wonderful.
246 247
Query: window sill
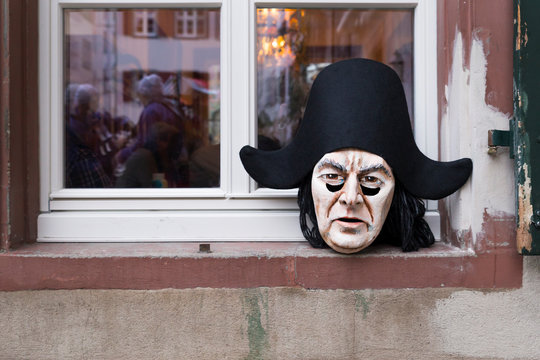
232 225
246 265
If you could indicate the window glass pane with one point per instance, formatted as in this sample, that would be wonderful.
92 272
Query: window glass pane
151 26
201 27
293 45
139 25
180 27
141 106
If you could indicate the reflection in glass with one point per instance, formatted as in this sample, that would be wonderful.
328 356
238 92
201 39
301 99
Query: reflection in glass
142 98
293 45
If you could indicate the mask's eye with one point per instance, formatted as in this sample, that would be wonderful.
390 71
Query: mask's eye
371 180
334 182
370 185
332 179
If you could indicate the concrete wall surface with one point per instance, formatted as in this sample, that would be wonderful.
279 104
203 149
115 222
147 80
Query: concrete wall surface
274 323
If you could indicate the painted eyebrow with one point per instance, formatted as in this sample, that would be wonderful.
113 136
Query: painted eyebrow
368 169
332 164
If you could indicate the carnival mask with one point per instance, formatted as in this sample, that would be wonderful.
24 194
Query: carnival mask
352 193
356 104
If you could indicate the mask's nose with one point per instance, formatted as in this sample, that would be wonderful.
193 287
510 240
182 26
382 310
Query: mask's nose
351 193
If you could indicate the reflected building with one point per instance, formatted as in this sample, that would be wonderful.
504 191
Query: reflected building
113 49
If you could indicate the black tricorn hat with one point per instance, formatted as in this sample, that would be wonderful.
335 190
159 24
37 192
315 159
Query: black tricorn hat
357 103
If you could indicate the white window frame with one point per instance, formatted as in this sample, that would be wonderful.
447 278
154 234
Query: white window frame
145 16
237 210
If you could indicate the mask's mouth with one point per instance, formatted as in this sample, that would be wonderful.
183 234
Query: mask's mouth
352 224
350 220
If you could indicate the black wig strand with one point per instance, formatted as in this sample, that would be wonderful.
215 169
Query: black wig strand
307 209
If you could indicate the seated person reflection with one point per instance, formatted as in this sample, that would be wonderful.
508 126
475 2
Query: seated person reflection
204 166
84 166
157 109
149 165
360 175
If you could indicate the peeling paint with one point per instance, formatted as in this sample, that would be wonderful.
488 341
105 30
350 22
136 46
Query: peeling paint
522 37
465 123
498 231
526 128
525 208
518 36
525 36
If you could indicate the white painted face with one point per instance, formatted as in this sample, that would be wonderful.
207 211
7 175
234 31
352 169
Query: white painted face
352 192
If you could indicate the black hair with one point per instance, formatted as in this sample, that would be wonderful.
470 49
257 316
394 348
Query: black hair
404 226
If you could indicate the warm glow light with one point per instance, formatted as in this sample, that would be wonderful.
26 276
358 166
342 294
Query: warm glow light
273 48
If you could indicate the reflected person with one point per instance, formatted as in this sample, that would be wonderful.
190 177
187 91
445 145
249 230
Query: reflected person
150 162
150 91
84 169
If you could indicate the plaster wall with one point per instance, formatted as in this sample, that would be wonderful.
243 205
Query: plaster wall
464 127
274 323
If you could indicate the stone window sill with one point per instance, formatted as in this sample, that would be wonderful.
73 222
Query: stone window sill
246 265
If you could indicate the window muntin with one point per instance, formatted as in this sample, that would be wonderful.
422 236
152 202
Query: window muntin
231 207
140 111
294 44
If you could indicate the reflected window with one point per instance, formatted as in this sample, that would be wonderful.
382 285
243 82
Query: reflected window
191 24
145 23
140 111
293 45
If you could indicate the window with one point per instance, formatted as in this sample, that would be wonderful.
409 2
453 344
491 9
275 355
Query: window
191 23
145 23
133 119
241 87
294 44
